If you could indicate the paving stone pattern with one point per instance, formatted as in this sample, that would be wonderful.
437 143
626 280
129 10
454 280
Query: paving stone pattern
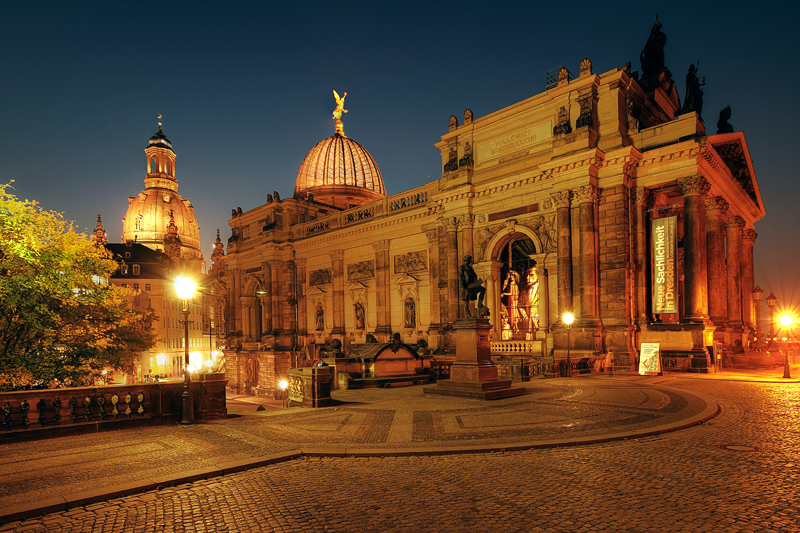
737 472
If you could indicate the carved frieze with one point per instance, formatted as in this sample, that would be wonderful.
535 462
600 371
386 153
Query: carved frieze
361 270
732 154
322 276
411 262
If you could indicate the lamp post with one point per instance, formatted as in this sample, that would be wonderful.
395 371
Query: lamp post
184 287
786 321
771 300
758 295
568 319
283 385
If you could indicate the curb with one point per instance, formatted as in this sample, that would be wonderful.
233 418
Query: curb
62 503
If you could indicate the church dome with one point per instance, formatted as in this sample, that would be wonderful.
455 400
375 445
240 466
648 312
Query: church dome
147 219
340 172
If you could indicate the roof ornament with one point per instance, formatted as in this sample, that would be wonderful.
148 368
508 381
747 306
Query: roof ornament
337 113
159 123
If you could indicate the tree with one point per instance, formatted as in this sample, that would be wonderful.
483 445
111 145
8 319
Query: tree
59 318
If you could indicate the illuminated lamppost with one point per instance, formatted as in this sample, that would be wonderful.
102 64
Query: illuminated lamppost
283 385
185 288
758 295
786 321
568 319
771 300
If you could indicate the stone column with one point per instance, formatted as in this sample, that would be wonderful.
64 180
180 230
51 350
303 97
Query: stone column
247 303
454 307
267 297
467 223
716 209
383 328
433 273
642 201
275 295
235 303
586 198
562 202
263 301
337 273
733 227
302 310
695 267
748 278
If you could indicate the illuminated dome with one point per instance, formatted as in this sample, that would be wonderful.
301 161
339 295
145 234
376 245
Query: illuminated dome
147 220
340 172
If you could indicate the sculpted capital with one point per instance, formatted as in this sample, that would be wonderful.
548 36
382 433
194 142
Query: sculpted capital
585 194
432 235
693 185
735 222
381 246
749 236
717 203
337 255
561 198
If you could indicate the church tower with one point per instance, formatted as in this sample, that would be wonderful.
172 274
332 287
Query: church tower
160 218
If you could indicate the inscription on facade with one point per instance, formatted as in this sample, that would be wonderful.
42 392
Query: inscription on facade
362 270
514 142
411 262
320 277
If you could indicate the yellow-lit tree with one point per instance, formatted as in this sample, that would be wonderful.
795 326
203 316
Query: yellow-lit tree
59 323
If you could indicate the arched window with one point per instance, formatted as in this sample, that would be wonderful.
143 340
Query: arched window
153 165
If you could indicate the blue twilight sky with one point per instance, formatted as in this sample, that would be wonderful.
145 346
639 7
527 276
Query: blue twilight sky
245 90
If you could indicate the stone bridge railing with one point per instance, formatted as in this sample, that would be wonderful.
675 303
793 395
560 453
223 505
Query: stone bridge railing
36 414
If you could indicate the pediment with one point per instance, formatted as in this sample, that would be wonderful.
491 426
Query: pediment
315 291
356 286
733 152
405 279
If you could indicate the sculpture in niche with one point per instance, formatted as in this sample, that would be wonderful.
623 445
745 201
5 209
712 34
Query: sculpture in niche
410 312
360 315
452 123
511 291
466 161
452 162
722 123
562 122
320 317
471 288
652 57
693 100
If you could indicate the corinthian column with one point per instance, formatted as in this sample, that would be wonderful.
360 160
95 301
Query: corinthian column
433 272
733 227
586 198
695 301
716 209
561 200
453 261
748 278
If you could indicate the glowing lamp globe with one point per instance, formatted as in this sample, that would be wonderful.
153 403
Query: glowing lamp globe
568 318
786 321
185 287
283 384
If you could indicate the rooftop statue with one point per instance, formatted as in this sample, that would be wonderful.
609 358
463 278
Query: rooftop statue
337 113
652 56
694 94
722 123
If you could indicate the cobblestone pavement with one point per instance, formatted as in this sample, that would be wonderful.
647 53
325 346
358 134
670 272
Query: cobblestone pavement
737 472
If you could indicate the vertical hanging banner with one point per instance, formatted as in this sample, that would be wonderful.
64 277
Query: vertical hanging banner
665 267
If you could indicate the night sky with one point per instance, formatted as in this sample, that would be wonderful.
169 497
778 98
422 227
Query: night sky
245 91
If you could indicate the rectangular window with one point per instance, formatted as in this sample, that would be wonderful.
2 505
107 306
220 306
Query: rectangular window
124 285
147 287
136 286
136 270
125 269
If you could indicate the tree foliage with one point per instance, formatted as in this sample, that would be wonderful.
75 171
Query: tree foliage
58 320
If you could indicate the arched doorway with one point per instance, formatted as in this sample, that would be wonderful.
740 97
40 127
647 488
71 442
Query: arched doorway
519 289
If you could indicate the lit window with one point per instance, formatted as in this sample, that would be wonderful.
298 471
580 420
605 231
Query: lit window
125 269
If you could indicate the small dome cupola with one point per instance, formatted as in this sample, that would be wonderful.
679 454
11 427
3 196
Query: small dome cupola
338 171
160 161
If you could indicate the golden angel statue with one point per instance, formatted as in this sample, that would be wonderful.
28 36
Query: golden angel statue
337 113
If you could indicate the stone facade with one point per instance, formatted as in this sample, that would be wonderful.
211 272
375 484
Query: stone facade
553 197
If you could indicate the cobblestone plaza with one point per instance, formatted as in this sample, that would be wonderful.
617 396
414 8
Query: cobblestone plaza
617 456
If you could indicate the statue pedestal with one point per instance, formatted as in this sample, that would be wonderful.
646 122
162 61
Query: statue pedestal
473 375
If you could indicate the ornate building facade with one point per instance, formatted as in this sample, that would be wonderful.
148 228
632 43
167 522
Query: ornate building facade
595 197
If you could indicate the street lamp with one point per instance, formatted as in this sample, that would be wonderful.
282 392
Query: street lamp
758 295
786 321
771 300
283 385
184 287
568 319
